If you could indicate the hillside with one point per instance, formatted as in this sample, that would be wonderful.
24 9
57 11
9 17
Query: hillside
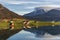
52 15
37 11
7 14
41 15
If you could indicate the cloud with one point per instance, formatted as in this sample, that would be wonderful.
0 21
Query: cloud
28 5
32 7
45 6
29 1
26 2
19 2
39 2
53 0
22 13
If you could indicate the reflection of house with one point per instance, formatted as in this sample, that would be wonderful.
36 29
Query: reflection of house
53 23
26 24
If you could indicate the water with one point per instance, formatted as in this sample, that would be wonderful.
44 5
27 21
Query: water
33 34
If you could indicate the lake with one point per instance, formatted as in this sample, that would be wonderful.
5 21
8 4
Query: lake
36 34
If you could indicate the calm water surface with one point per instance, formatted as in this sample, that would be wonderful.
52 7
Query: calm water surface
33 34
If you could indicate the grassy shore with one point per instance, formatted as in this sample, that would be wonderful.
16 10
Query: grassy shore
5 33
44 23
4 25
19 23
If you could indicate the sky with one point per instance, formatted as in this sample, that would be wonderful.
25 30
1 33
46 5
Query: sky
22 7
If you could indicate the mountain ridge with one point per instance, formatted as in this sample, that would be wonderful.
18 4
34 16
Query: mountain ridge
5 13
51 15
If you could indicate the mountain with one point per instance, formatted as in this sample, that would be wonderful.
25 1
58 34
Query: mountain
7 14
37 11
51 15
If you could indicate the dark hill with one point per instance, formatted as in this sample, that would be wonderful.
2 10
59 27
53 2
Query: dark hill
7 14
33 14
51 15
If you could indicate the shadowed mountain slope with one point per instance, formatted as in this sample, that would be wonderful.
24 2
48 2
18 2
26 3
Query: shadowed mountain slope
41 15
7 14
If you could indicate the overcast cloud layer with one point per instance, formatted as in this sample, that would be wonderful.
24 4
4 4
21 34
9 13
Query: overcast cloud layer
26 6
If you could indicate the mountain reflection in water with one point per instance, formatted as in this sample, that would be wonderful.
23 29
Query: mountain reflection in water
43 33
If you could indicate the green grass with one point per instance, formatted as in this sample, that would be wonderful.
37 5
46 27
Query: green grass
19 24
3 25
44 23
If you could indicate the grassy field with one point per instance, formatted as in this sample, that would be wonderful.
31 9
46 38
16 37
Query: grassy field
44 23
19 24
